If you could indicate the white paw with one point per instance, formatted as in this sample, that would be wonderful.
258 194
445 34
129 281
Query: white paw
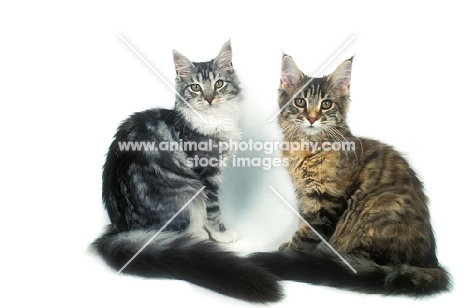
202 234
228 236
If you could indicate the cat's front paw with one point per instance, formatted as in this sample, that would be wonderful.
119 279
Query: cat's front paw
202 234
228 236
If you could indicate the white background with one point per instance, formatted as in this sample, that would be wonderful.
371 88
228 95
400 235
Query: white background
67 80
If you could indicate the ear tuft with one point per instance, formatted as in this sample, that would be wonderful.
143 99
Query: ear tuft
291 75
224 58
182 64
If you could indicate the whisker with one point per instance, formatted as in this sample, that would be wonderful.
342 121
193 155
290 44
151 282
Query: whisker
358 139
332 133
337 131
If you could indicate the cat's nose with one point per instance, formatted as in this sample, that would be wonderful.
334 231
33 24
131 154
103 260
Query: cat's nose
311 120
209 99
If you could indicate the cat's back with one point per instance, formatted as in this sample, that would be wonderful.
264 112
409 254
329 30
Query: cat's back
383 163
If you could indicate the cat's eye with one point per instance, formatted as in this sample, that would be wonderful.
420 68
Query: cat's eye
299 102
219 84
195 87
326 104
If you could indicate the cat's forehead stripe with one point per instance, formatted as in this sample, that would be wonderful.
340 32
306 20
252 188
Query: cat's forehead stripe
314 89
203 69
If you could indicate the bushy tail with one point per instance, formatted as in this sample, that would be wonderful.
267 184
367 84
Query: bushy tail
325 268
201 262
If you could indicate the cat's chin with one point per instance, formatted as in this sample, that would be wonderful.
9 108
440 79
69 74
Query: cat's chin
311 130
209 109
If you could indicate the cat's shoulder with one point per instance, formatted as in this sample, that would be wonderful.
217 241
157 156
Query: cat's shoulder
372 149
147 121
150 115
147 117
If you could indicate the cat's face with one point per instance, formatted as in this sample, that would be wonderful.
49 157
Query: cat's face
313 108
211 88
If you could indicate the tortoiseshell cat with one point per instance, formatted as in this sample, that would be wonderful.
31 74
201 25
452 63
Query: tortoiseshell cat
367 202
145 191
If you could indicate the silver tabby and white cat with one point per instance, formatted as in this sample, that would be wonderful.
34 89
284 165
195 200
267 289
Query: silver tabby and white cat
144 190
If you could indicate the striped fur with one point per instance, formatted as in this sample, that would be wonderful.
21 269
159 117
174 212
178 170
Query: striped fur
144 190
365 201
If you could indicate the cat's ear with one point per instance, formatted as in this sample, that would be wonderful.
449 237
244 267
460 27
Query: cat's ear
224 59
182 64
341 77
291 75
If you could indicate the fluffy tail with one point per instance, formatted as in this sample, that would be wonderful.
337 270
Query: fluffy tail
324 268
184 257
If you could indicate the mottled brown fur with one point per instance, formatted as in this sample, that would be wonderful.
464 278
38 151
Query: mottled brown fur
386 214
366 202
